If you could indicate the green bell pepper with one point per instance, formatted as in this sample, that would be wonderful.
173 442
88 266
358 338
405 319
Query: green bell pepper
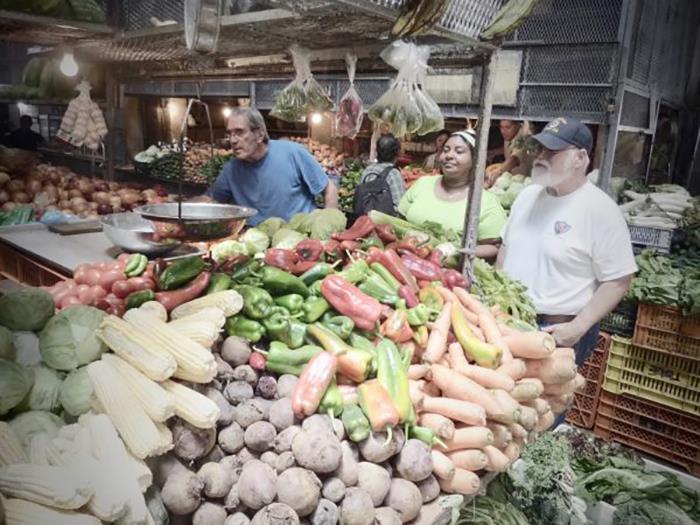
314 308
219 282
319 271
245 270
281 353
386 276
376 287
426 435
392 374
315 288
279 282
431 298
283 368
418 315
355 423
369 242
246 328
361 343
256 301
332 401
292 302
355 272
281 327
341 325
180 272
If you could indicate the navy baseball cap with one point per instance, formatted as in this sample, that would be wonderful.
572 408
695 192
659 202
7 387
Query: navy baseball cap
563 132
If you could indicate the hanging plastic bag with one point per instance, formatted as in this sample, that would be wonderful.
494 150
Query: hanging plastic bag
432 119
290 105
348 119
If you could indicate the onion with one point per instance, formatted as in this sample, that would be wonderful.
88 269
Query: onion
77 200
86 187
75 193
149 194
81 207
116 203
101 186
4 178
92 206
130 198
4 196
55 176
67 211
21 197
62 194
9 206
104 209
101 197
82 214
33 186
15 185
65 203
51 191
113 186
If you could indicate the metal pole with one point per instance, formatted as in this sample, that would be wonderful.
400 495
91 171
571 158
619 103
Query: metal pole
112 96
471 219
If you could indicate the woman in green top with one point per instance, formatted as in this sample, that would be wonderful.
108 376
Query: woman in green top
443 198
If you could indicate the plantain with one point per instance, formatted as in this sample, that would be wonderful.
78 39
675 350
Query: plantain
508 18
419 16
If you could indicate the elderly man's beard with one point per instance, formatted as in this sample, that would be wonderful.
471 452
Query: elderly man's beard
545 175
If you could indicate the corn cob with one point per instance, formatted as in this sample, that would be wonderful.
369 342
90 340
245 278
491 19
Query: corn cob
137 348
229 301
57 487
135 427
165 436
21 512
195 408
193 360
156 309
37 449
155 401
11 450
202 327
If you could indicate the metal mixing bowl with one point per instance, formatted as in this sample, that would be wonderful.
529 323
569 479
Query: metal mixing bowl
132 233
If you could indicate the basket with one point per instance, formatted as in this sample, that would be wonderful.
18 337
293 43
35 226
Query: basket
621 320
583 409
666 329
663 432
658 239
664 378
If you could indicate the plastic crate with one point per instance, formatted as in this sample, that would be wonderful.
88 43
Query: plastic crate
654 238
621 320
660 431
583 409
664 378
666 329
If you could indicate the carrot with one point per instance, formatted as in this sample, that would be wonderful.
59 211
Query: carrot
505 329
478 333
454 385
470 302
545 422
488 325
527 389
552 370
528 417
418 371
498 461
437 341
486 377
567 353
517 431
443 467
512 451
464 482
509 407
428 388
515 369
540 405
442 426
464 411
470 437
501 435
565 388
560 404
449 296
416 394
469 459
531 345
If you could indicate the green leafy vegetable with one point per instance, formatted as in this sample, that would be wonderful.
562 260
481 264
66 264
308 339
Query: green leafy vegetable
76 392
325 222
496 288
27 309
286 238
7 347
70 340
15 383
255 240
227 249
45 390
270 226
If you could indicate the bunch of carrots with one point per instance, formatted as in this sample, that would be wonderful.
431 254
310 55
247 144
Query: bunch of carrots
486 389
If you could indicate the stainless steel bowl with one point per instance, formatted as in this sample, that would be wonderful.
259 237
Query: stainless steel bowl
132 233
199 221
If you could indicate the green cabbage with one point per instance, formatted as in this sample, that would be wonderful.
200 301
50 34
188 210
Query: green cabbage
33 423
7 346
26 309
270 226
255 240
286 239
27 348
70 340
517 178
45 391
503 181
227 249
327 221
15 383
300 222
76 392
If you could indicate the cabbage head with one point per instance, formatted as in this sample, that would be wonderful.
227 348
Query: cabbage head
255 240
70 340
517 178
45 392
507 199
33 423
76 392
7 345
26 348
327 221
270 226
15 383
503 181
228 249
286 238
26 309
300 222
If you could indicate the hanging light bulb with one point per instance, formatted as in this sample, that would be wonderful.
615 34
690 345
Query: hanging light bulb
316 118
227 112
69 66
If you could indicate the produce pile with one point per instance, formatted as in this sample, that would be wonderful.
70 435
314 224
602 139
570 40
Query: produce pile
411 174
348 184
198 166
327 156
660 206
507 187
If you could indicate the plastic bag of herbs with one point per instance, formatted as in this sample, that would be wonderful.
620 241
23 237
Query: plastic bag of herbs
348 118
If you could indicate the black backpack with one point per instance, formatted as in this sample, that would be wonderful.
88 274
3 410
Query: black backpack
374 194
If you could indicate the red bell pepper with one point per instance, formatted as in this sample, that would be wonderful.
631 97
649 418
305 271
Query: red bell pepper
362 227
313 382
436 257
421 268
408 295
407 244
350 301
396 327
385 232
331 249
309 249
349 246
453 278
303 267
352 363
423 252
392 262
282 259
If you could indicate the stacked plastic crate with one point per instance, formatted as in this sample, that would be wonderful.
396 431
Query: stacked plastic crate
583 410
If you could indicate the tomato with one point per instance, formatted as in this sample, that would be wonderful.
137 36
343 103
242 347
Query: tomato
109 277
80 275
121 288
98 292
92 276
58 297
85 295
102 265
141 283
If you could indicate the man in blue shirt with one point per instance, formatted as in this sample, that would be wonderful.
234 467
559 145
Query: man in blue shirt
277 177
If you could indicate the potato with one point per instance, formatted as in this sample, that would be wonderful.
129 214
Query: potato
214 456
276 514
374 480
245 373
232 463
245 455
281 414
209 514
237 392
251 411
269 458
339 429
191 443
260 436
375 448
414 462
318 422
224 371
317 451
217 480
232 438
232 500
333 489
284 461
286 384
235 350
237 519
357 508
283 441
182 492
405 498
347 470
386 516
429 488
300 489
257 485
326 513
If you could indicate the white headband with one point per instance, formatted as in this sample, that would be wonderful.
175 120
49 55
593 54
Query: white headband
467 136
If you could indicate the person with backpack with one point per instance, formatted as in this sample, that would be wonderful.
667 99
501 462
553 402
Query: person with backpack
381 185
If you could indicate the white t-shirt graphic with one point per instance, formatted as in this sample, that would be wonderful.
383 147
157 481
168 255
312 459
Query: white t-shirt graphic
562 248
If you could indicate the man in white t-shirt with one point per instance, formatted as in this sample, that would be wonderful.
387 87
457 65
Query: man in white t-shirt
567 241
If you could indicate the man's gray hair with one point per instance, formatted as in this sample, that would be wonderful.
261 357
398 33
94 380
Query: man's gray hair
255 119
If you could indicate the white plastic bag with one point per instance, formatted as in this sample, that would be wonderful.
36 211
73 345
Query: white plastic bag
348 119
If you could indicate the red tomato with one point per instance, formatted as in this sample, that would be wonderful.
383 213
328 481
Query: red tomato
141 283
80 275
109 277
98 292
92 276
60 296
69 301
85 295
121 288
102 265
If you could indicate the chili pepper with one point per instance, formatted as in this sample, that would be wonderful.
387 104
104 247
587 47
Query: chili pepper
350 246
315 288
319 271
353 363
332 249
435 257
420 336
431 298
246 328
396 327
349 393
423 252
256 301
407 350
426 435
136 299
418 315
422 269
376 287
194 289
279 282
370 241
385 232
355 423
340 325
392 262
313 382
407 245
362 227
257 361
281 327
355 271
378 406
180 272
309 249
292 302
281 353
314 308
280 258
303 267
453 279
393 376
349 300
332 401
485 354
385 274
361 343
218 283
282 368
408 295
246 269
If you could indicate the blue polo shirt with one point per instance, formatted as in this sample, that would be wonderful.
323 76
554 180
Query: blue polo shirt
282 183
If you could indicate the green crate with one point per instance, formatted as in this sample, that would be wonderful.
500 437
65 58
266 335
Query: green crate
668 379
